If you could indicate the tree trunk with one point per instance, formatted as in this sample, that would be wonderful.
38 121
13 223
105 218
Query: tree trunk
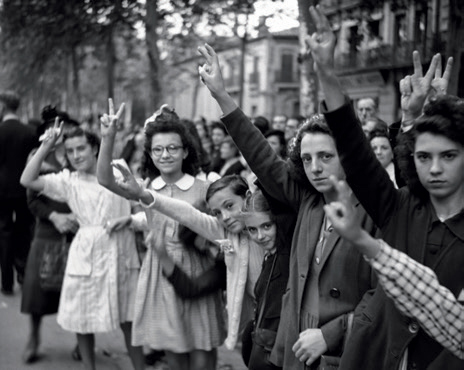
308 79
151 23
110 59
75 81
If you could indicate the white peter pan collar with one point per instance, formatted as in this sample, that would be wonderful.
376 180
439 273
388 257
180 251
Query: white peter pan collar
184 183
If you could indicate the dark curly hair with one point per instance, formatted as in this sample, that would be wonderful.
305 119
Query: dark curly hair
443 116
165 120
315 124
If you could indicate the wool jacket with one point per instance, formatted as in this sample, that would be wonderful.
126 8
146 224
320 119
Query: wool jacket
344 275
381 333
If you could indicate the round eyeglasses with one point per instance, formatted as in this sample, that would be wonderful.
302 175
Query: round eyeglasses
172 149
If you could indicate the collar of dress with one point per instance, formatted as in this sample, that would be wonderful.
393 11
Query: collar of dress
184 183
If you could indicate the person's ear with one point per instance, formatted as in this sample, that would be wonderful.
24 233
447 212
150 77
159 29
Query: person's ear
186 153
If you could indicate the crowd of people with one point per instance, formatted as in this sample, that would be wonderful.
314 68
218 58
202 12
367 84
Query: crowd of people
333 241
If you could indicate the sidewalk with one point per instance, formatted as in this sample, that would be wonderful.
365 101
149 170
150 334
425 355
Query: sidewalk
56 345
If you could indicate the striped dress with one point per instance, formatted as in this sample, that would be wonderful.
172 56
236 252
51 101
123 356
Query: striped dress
163 320
101 274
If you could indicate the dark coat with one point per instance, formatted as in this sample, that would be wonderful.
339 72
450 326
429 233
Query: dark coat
345 277
16 142
380 333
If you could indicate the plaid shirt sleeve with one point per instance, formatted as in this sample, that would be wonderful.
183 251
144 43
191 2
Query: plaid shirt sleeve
417 293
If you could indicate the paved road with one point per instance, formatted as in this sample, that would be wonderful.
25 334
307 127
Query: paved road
56 345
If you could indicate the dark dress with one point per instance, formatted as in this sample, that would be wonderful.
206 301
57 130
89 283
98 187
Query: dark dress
35 300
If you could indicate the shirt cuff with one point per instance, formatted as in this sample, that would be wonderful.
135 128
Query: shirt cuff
151 205
385 254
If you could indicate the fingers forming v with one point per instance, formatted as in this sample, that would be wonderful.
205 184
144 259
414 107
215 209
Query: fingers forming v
111 107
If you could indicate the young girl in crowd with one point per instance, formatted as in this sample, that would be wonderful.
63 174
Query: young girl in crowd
328 279
270 231
189 331
102 269
424 219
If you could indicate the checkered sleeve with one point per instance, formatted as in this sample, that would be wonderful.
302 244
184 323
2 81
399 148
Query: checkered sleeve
417 293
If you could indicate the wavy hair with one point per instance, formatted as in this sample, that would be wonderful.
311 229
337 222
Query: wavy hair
165 120
315 124
443 116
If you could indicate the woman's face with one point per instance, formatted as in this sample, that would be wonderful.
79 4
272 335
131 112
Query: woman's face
383 150
226 207
274 142
228 151
201 130
217 135
81 156
168 153
262 230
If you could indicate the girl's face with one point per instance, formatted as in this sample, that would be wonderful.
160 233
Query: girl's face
168 153
262 230
226 207
228 151
80 153
440 166
383 150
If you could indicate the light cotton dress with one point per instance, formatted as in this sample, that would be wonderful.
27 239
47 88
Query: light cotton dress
101 275
163 320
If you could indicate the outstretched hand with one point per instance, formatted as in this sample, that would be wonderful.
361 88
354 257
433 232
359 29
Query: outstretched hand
322 42
415 88
131 188
109 122
210 71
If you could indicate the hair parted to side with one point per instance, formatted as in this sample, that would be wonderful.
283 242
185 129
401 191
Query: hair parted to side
315 124
443 116
166 120
236 183
10 99
256 202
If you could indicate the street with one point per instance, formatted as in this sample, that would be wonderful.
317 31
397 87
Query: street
56 345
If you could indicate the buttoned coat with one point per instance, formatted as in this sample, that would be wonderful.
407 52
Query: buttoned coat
344 278
380 333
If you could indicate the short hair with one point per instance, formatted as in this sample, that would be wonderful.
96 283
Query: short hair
237 184
228 140
219 125
10 99
166 120
262 123
76 131
316 124
377 132
442 116
281 136
368 98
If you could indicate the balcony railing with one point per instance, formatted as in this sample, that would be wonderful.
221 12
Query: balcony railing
385 56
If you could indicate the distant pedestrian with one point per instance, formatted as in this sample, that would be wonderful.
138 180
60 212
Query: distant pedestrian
16 142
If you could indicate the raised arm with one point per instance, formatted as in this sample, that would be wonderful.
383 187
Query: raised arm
30 177
108 128
263 161
322 46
